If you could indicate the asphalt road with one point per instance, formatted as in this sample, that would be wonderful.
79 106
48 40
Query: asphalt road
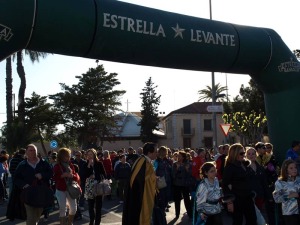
111 215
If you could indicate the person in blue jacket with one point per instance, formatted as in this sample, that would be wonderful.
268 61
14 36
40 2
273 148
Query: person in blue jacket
26 173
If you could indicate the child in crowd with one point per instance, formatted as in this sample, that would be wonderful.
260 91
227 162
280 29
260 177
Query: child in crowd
286 192
208 193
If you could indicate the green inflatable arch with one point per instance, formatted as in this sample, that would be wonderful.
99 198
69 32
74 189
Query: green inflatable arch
122 32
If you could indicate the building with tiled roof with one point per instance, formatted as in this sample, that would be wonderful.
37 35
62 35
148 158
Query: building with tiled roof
191 127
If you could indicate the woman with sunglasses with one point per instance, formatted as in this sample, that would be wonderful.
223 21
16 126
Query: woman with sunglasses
94 169
236 182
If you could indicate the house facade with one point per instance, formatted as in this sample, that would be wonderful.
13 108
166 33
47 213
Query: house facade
191 127
187 127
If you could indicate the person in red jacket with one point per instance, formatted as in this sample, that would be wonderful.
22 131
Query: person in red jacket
106 160
64 170
197 162
107 163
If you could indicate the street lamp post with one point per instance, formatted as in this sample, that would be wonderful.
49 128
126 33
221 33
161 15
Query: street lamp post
213 96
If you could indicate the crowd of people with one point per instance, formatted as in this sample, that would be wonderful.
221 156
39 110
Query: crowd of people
244 182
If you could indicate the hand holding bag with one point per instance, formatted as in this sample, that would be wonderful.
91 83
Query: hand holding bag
38 195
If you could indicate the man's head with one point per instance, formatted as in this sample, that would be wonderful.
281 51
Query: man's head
260 148
220 149
149 150
22 152
200 152
226 149
78 155
130 150
120 152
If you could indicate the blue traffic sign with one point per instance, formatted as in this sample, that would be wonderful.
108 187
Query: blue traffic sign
53 144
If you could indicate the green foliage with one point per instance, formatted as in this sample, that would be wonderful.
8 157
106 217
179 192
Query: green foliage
88 107
41 116
15 132
67 139
206 94
150 120
251 98
41 119
250 127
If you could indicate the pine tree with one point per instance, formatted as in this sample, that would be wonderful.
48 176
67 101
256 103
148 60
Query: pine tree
89 106
150 120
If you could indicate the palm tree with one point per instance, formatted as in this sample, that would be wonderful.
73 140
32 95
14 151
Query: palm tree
34 57
206 94
9 106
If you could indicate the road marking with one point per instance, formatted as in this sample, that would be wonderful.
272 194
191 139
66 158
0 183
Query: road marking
86 214
115 214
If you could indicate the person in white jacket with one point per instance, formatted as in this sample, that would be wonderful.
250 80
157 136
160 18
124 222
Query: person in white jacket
286 192
208 194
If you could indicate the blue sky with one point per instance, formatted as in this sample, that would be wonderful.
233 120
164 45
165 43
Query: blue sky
178 88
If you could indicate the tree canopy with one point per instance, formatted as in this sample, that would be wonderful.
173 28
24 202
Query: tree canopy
246 114
206 94
251 98
88 107
150 119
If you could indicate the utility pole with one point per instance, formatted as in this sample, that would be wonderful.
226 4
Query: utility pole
213 96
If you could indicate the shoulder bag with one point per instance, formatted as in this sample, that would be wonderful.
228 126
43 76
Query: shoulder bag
73 188
102 188
161 182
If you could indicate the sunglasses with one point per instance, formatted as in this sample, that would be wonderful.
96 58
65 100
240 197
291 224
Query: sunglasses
242 153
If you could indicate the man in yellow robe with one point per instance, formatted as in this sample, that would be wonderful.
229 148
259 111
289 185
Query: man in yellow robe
139 198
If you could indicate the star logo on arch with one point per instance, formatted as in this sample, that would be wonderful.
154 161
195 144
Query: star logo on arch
178 31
